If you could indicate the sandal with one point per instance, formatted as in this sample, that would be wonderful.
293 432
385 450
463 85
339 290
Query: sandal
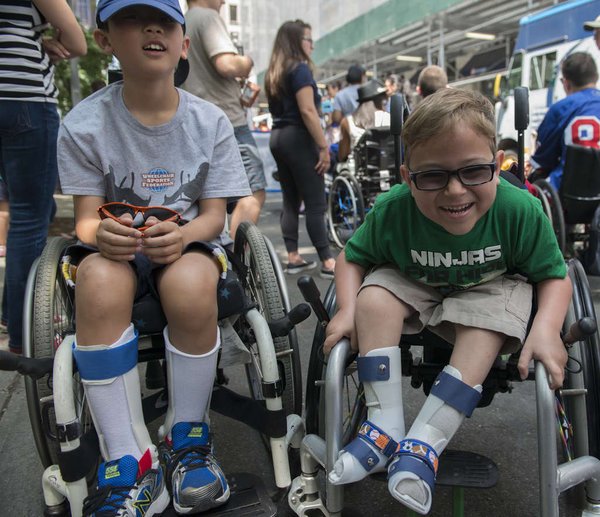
294 269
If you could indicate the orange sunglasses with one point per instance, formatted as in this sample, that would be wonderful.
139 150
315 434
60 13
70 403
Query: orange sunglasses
140 214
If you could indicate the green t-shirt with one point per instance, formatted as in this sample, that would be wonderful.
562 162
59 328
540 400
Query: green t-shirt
514 236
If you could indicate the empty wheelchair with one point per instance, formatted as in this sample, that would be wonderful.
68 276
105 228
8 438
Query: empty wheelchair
256 328
368 172
335 409
572 208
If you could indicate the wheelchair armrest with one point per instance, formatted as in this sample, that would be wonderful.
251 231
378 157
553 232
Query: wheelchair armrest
34 368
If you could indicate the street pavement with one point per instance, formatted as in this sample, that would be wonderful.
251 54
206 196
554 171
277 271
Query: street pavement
505 431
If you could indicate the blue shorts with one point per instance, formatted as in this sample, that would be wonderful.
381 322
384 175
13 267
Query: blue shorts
250 158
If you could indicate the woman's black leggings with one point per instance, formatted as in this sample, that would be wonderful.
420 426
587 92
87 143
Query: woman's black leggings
296 155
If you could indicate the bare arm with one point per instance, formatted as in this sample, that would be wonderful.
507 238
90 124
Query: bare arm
209 223
344 145
348 279
233 65
59 15
310 117
337 116
543 342
87 219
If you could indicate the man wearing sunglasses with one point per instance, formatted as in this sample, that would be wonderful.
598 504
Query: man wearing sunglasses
141 158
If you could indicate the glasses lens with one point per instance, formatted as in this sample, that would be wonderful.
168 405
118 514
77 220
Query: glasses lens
119 209
162 214
431 180
476 174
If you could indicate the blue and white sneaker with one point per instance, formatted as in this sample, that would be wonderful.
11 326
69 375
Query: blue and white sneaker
196 481
128 488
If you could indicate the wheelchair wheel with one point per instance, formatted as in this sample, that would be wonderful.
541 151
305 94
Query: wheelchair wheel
51 313
261 286
553 208
354 408
293 335
346 210
583 371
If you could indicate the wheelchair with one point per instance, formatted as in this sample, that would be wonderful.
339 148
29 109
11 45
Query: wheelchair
335 409
368 172
254 316
572 208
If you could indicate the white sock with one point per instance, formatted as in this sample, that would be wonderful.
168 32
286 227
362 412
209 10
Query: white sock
118 417
191 379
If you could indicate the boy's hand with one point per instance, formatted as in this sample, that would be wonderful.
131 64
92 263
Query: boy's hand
545 345
162 242
118 240
340 326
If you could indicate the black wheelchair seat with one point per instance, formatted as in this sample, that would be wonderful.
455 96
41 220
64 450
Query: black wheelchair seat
580 188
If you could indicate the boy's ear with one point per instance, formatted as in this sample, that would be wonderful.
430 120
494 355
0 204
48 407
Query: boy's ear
499 161
103 41
185 47
405 174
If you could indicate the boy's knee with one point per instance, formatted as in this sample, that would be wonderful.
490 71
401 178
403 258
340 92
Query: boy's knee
374 299
97 272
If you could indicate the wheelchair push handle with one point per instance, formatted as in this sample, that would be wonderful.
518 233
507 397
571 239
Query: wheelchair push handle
579 330
34 368
283 326
310 292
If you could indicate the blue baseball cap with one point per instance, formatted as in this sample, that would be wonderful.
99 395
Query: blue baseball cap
106 8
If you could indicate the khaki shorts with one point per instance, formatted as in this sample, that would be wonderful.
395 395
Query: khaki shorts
502 305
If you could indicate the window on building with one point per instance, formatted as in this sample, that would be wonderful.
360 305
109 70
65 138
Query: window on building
233 14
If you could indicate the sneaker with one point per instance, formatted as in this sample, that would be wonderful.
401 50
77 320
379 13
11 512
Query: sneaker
294 269
127 488
196 481
328 274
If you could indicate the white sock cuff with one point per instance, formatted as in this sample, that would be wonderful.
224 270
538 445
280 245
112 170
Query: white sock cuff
127 335
170 348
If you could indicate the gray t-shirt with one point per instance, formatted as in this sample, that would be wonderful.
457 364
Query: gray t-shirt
104 151
209 38
346 100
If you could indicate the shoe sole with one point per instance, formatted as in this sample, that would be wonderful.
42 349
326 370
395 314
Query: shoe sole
295 271
218 502
160 505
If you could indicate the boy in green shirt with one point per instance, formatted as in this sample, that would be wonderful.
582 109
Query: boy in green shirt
444 250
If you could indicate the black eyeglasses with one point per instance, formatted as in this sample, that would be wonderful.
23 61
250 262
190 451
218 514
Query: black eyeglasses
438 179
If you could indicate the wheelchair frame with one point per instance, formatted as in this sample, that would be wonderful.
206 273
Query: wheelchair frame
330 429
268 333
368 172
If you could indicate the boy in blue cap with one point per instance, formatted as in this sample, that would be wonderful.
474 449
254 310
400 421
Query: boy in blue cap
159 156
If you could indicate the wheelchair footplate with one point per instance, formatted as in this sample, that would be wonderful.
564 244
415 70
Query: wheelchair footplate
466 469
249 497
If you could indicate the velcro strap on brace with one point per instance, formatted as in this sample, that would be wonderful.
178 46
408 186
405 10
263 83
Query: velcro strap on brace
456 393
377 438
414 464
97 365
373 369
420 450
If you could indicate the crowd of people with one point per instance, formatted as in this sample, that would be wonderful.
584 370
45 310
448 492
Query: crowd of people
154 169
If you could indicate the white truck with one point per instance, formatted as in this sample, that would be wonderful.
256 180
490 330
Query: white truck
544 40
